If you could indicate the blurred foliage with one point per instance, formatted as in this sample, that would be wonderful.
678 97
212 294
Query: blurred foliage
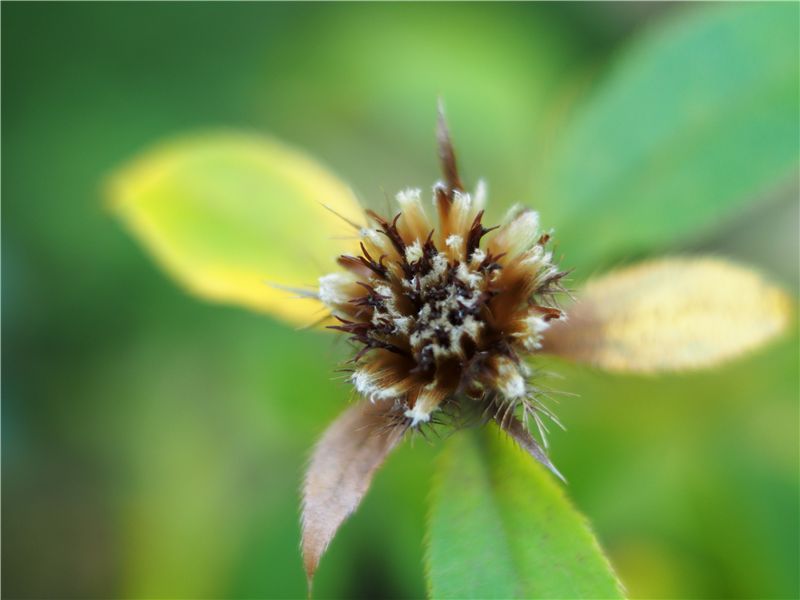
664 148
153 445
206 207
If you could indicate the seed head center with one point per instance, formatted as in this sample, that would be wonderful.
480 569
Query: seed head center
439 311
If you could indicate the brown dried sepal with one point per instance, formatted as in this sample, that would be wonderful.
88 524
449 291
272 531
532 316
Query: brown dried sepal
340 472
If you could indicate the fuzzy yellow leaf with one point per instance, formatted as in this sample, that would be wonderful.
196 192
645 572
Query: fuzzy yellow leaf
227 214
669 315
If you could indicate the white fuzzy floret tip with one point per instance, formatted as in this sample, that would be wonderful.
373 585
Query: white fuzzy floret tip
417 416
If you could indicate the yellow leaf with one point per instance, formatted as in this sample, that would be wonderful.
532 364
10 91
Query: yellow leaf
228 213
671 314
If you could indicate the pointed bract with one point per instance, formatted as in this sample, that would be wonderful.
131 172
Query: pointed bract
340 472
447 155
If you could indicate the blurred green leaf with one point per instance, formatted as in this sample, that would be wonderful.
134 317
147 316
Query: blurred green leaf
694 123
382 68
227 214
500 527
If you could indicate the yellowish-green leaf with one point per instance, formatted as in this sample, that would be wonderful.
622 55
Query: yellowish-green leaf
228 213
671 314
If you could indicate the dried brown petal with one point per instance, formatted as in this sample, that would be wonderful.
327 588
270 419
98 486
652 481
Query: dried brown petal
340 472
668 315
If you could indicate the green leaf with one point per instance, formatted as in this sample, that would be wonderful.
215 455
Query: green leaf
501 527
380 103
228 213
696 121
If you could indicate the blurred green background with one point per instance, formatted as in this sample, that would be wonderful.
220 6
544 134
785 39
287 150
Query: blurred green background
153 445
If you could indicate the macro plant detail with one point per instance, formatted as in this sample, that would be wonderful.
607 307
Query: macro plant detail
444 315
228 397
442 323
439 318
447 336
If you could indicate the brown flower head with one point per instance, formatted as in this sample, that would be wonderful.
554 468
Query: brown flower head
444 310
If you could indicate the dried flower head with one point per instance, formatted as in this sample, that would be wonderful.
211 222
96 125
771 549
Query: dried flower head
444 310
